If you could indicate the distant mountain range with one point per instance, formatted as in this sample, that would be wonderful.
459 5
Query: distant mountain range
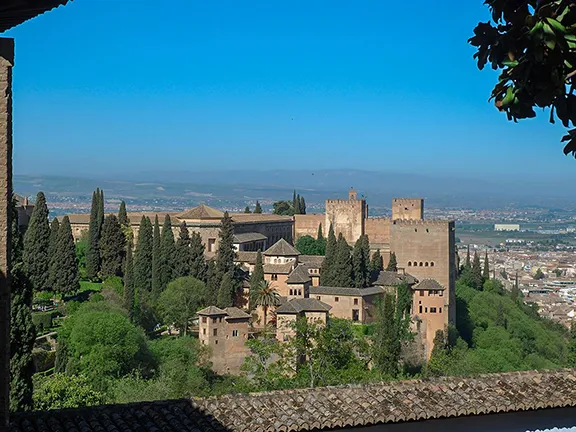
235 187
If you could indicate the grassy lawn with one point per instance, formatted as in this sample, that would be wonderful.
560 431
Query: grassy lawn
90 286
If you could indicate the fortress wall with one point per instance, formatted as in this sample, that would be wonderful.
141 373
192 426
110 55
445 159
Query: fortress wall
347 217
308 225
408 208
378 230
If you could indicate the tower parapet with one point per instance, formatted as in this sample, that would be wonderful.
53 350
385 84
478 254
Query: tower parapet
408 208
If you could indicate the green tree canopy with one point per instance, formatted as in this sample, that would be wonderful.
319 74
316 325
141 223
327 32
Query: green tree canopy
225 254
167 251
266 297
327 272
392 264
183 255
258 208
129 291
112 247
66 277
256 279
60 391
180 301
143 257
226 291
198 267
307 245
37 244
156 261
283 208
343 266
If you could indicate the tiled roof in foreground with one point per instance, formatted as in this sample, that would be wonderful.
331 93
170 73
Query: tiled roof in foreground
322 408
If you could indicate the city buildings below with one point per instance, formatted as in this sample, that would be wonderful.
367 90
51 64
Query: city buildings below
506 227
24 209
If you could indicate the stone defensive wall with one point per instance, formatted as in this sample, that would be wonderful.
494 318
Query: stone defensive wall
308 225
378 230
419 222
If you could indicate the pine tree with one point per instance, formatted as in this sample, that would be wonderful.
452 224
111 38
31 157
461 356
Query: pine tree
112 247
226 291
143 258
302 205
52 256
198 267
256 278
360 263
247 209
129 283
343 267
258 208
486 270
212 283
476 273
225 255
22 329
36 245
167 252
183 256
329 264
66 280
392 264
93 249
122 215
377 263
156 261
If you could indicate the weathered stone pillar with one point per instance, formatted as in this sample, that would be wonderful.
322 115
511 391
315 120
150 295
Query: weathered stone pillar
6 63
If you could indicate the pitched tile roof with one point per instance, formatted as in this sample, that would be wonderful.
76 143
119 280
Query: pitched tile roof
282 248
322 407
389 278
201 212
296 306
356 292
15 12
249 237
211 310
285 268
428 284
246 257
236 313
313 261
299 275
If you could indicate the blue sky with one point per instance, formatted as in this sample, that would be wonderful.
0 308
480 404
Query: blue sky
138 85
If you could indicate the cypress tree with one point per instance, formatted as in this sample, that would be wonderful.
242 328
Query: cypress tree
302 205
112 247
225 255
360 263
93 249
226 291
515 292
258 208
467 264
122 215
143 258
167 252
66 280
156 261
386 345
392 264
377 263
247 209
476 273
295 203
198 267
101 209
183 256
256 278
343 267
22 329
320 235
486 270
36 245
52 256
129 283
212 283
328 266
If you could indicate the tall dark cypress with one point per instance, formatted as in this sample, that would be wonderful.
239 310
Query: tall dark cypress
143 258
156 261
256 278
360 262
486 270
226 291
476 273
247 209
302 205
129 282
212 283
392 264
343 267
22 330
467 264
167 253
328 266
377 263
225 255
295 203
183 256
37 244
122 215
67 280
52 251
112 247
386 343
258 208
93 249
320 235
198 266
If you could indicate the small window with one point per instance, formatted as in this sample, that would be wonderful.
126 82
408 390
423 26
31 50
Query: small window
214 320
425 310
432 310
215 342
203 331
220 319
355 302
317 297
427 230
355 315
204 320
426 264
234 333
440 310
215 332
441 293
274 277
212 245
299 292
336 299
420 309
430 293
432 264
415 229
421 293
409 263
421 264
291 292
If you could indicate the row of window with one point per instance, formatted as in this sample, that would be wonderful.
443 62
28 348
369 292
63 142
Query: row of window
432 310
294 292
439 293
214 320
215 332
314 271
420 264
337 299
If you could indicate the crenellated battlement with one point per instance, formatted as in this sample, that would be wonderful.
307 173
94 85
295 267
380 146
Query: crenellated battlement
406 200
342 201
419 222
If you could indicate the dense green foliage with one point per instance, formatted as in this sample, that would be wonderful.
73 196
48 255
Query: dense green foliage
37 244
392 263
256 279
361 274
258 208
112 247
376 263
533 44
226 291
94 231
143 258
265 296
65 271
61 391
308 245
53 251
129 289
283 208
167 253
342 271
183 253
198 266
327 272
225 254
180 301
156 261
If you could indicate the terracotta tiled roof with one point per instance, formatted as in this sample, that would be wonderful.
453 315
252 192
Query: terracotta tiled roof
296 306
299 275
235 313
278 268
389 278
282 248
321 408
15 12
201 212
211 310
313 261
428 284
246 257
249 237
259 217
356 292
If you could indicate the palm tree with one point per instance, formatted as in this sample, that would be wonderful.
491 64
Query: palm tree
266 296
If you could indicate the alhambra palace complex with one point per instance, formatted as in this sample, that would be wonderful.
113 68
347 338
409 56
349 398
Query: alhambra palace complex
425 253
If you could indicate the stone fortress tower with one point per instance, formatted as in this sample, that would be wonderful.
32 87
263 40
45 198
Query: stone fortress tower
347 217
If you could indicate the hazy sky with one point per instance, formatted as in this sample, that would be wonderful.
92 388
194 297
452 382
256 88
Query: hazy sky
136 85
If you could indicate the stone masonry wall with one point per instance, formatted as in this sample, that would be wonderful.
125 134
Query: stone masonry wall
308 225
408 208
347 217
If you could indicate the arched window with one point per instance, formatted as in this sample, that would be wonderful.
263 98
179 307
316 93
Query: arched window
275 260
432 264
421 263
426 264
409 263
